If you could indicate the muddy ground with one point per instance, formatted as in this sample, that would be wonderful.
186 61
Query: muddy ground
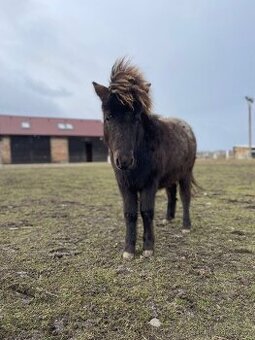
62 275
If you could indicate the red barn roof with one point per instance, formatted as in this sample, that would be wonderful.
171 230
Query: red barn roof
43 126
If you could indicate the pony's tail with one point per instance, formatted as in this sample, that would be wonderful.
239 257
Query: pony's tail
195 187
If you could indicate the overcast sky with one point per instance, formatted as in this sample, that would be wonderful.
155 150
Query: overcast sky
199 56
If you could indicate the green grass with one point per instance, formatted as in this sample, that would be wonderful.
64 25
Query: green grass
62 275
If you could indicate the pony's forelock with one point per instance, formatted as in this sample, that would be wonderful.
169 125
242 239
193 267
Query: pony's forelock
128 84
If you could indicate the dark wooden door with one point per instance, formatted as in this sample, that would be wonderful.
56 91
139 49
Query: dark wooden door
30 149
89 155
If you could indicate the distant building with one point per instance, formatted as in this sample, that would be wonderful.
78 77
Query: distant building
243 151
218 154
46 140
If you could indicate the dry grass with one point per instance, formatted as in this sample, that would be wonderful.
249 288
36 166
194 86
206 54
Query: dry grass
62 276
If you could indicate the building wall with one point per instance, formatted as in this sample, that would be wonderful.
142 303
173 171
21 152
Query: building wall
100 151
241 152
87 149
59 149
5 150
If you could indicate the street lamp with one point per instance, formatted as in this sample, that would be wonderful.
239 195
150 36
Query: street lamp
250 101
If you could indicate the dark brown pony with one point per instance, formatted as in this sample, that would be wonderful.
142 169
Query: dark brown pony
147 152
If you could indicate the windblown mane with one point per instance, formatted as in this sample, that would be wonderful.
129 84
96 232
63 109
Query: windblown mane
128 83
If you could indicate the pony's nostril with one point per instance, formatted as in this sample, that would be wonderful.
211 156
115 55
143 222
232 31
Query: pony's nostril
117 162
124 162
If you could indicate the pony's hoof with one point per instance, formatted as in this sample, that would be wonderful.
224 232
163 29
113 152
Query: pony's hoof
147 253
166 221
128 256
185 231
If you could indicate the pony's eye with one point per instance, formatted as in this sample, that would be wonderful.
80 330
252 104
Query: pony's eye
107 118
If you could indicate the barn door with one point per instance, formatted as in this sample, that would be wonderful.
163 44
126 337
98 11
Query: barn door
89 155
30 149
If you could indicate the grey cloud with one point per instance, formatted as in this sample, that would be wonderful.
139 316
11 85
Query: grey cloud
15 98
13 9
43 89
198 56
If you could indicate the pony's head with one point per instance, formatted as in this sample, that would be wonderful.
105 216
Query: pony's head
123 103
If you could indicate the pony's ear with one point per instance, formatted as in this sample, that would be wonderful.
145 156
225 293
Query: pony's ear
101 91
147 87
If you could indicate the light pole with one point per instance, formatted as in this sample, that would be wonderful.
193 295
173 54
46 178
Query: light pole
250 101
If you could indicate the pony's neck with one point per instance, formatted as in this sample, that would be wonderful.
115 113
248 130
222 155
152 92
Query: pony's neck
149 124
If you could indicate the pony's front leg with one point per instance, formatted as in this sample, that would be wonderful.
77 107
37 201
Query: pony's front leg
130 214
147 202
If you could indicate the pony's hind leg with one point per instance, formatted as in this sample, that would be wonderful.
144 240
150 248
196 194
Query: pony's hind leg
185 193
171 204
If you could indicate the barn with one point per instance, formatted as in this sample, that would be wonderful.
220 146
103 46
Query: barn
243 151
50 140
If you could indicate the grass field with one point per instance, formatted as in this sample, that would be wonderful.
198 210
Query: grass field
62 275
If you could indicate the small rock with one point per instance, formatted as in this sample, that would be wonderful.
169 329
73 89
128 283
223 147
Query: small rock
238 232
155 322
123 270
22 274
180 293
58 326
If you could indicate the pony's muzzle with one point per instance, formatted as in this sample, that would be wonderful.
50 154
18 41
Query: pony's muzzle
124 161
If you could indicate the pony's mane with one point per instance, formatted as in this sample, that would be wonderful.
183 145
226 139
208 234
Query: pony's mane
128 83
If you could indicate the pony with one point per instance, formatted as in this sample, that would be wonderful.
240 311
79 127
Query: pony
147 153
